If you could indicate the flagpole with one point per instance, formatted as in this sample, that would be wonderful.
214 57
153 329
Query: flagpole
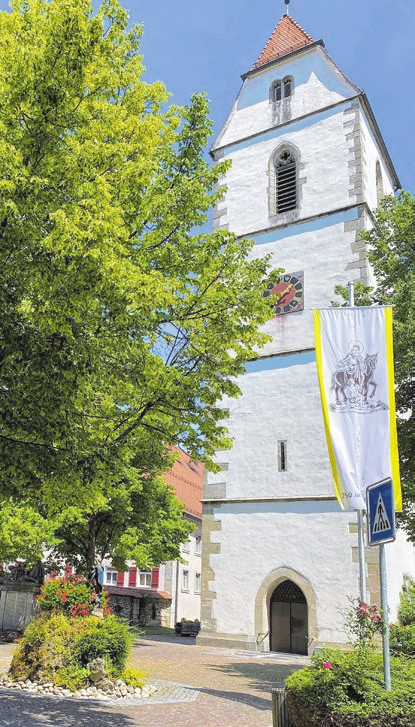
360 525
385 614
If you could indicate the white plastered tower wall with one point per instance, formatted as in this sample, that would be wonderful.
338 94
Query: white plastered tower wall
262 526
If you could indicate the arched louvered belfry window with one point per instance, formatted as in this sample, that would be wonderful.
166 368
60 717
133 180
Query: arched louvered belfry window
285 164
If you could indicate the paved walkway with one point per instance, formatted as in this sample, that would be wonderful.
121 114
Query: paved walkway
199 687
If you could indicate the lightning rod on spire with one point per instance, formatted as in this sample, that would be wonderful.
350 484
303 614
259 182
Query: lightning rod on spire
287 2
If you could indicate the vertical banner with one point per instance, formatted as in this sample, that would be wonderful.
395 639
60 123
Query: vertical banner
355 369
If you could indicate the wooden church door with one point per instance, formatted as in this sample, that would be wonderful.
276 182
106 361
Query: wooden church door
288 619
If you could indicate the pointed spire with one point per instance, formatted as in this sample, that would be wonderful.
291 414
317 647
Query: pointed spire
287 10
287 37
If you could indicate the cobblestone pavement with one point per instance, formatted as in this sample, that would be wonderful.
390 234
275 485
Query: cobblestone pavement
199 687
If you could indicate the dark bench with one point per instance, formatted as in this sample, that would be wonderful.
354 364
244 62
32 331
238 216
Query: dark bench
189 628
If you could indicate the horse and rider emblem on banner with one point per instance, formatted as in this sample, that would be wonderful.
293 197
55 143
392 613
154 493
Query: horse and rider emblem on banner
353 382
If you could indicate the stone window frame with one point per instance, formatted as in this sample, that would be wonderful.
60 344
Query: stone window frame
293 214
277 90
198 582
198 545
379 183
186 546
282 455
185 580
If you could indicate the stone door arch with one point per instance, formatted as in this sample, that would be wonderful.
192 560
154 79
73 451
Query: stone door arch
263 607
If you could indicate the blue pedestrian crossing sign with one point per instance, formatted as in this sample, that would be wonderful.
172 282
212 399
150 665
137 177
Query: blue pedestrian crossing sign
381 513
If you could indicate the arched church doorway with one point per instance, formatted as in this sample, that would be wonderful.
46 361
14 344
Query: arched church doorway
288 619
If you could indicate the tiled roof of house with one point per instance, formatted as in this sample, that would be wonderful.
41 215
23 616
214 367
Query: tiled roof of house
186 478
138 592
287 37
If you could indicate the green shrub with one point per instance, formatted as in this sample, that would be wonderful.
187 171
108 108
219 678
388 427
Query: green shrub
402 634
46 647
133 677
72 677
57 649
110 639
346 689
402 639
406 612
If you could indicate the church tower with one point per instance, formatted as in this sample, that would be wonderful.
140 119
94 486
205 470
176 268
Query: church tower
309 164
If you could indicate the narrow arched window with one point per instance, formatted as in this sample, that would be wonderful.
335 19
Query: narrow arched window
276 91
379 183
285 181
288 86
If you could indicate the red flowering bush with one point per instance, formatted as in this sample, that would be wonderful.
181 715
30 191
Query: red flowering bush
363 622
73 596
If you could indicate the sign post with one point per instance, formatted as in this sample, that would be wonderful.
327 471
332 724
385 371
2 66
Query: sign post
381 530
360 523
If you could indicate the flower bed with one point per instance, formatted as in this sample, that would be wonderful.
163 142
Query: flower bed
60 648
346 688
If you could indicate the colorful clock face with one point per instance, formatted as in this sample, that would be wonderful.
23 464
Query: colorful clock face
289 289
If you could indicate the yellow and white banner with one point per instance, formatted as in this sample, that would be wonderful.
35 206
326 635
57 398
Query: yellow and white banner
355 368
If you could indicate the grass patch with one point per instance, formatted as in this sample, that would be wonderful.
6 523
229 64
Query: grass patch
153 631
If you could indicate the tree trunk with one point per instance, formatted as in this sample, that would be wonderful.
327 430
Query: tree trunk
90 559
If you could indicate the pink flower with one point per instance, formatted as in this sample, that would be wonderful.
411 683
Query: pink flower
376 617
327 665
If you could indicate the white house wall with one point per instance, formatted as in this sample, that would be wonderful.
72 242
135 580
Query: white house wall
188 600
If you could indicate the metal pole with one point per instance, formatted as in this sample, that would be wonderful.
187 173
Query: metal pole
385 614
362 564
360 524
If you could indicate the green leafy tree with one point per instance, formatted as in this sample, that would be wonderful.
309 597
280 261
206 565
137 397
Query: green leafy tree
391 252
123 324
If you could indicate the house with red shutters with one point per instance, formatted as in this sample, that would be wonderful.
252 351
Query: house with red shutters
158 597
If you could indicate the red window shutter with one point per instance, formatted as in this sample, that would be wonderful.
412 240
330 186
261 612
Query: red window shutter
68 570
120 579
155 578
132 577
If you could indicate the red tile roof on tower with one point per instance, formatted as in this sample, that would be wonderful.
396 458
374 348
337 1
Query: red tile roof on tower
287 37
186 478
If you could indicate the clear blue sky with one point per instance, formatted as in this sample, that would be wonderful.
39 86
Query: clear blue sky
195 46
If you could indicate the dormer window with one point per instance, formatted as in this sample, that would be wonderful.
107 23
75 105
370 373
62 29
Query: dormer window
281 89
